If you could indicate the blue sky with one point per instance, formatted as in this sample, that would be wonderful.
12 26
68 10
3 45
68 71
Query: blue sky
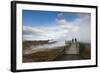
45 18
46 25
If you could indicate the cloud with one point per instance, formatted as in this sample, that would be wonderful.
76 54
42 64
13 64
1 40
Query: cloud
67 25
32 30
79 28
60 16
64 30
31 33
63 23
84 22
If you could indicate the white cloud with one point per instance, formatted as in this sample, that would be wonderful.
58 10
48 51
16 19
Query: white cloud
67 25
79 28
65 30
31 33
32 30
60 16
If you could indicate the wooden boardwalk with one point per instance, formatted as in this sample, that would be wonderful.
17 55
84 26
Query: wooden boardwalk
71 53
73 49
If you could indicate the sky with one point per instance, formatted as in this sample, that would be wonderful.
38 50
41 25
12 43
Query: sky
49 25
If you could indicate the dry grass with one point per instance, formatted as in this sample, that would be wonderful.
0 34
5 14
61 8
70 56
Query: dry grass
41 56
85 51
